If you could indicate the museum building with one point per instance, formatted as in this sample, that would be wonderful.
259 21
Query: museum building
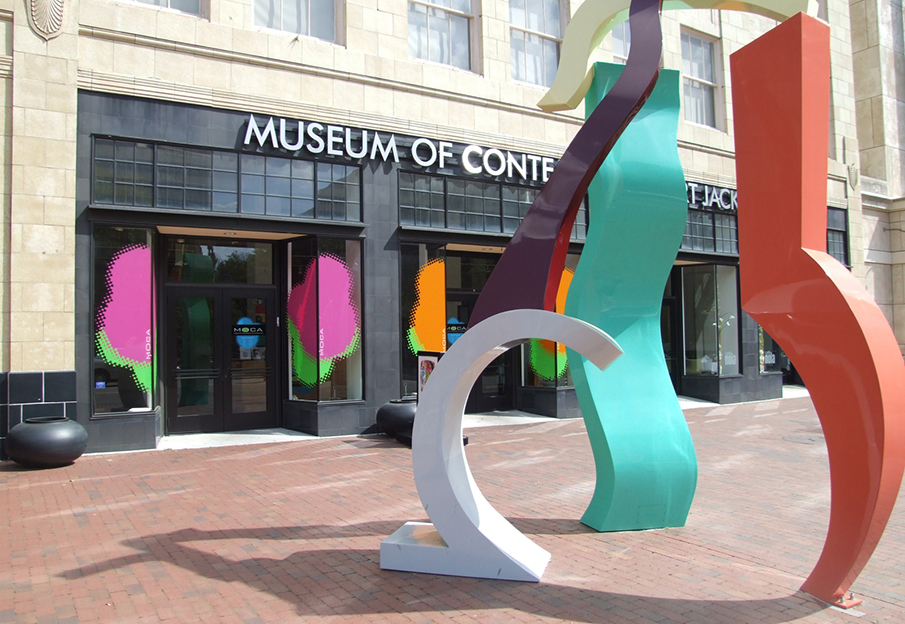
242 240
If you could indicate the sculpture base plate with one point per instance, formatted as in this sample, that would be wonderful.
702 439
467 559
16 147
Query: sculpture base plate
418 547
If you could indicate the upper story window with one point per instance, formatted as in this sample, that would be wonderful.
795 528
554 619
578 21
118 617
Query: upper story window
699 80
186 6
144 175
439 31
314 18
622 42
455 204
535 34
837 234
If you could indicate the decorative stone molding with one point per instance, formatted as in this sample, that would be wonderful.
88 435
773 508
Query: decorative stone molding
46 17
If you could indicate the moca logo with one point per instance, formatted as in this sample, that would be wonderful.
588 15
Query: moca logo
248 330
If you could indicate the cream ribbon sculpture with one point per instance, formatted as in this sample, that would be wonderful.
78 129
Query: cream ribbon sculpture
594 19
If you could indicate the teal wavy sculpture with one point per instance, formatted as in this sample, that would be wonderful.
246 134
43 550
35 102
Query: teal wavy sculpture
646 466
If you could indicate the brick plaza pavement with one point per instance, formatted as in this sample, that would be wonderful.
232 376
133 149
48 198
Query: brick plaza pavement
291 532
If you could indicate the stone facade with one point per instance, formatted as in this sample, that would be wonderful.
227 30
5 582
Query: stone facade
879 89
367 79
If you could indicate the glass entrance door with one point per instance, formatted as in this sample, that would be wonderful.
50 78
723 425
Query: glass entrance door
220 358
668 326
494 389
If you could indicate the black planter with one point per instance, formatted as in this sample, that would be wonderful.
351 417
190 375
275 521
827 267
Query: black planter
397 416
46 442
397 419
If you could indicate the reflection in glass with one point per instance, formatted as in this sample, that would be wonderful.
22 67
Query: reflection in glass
200 261
195 371
423 307
710 302
772 358
545 362
699 301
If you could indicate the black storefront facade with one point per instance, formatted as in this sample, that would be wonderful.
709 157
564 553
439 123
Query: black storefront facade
241 271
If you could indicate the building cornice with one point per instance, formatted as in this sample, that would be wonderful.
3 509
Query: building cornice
325 113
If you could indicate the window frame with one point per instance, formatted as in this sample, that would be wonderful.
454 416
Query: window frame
543 35
473 37
321 389
338 21
723 316
846 251
625 40
203 7
351 199
94 286
442 190
713 85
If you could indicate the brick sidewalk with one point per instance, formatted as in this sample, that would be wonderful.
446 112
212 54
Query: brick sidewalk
291 532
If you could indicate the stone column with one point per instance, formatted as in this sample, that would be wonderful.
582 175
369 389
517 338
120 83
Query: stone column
878 55
42 187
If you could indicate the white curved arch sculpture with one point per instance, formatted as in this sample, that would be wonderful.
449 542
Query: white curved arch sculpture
468 536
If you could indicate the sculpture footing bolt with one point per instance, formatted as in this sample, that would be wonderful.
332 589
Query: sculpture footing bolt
847 601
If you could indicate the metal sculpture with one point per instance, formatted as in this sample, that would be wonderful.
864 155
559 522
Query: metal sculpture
644 455
538 248
835 334
468 536
827 323
663 460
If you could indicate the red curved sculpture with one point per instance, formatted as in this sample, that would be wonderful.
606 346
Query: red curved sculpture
825 320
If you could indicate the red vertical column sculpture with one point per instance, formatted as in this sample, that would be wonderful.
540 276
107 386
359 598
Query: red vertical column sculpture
823 318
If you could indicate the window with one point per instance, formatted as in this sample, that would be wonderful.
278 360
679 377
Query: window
535 37
474 206
186 6
189 179
545 363
315 18
837 234
699 80
516 202
323 320
710 231
123 173
772 358
455 204
213 261
439 32
124 345
424 313
143 175
622 42
710 302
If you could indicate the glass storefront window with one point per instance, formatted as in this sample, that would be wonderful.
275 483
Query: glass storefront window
727 320
423 307
324 319
215 261
772 358
544 362
710 303
124 345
